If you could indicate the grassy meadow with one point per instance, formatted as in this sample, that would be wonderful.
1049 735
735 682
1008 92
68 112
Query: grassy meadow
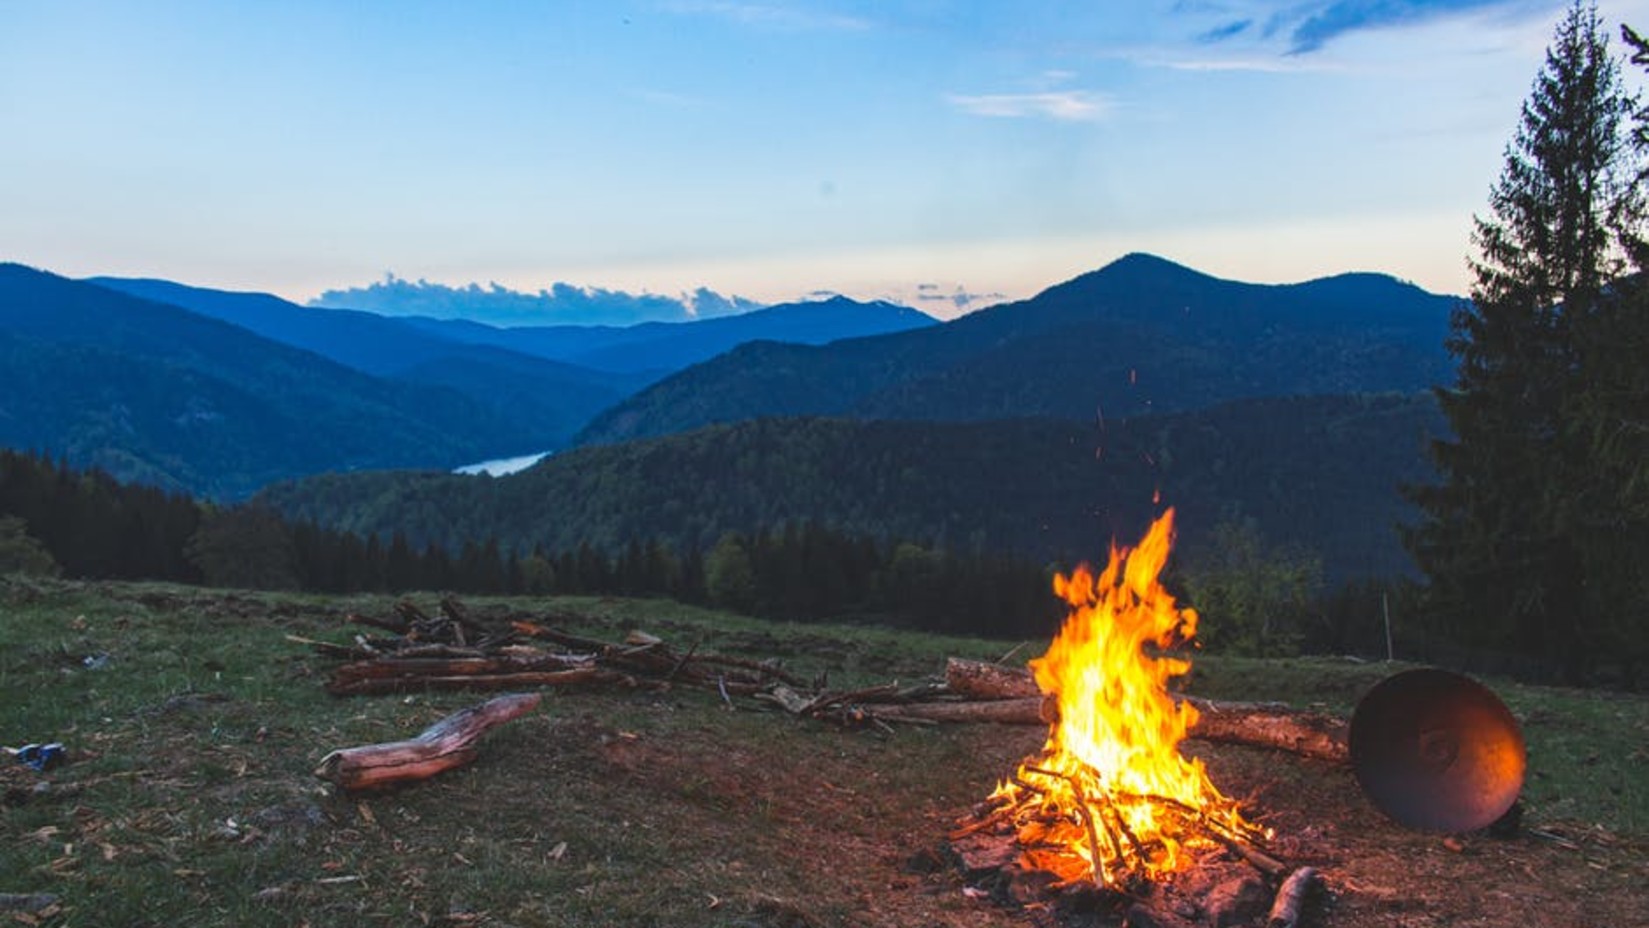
193 725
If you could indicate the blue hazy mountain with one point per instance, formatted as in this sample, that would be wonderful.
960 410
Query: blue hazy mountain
548 400
1142 335
157 393
561 304
662 347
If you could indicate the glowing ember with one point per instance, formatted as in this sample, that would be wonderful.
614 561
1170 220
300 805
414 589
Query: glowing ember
1110 797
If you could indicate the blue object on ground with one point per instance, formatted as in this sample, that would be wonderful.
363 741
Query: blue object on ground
41 757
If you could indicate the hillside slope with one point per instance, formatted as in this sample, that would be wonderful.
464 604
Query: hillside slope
1320 472
546 400
1141 335
156 393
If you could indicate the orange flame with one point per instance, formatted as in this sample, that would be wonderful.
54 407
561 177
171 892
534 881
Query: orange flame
1110 794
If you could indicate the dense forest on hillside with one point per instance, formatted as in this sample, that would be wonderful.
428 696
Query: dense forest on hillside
1321 472
55 519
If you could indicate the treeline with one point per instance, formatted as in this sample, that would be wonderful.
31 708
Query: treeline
54 518
1255 597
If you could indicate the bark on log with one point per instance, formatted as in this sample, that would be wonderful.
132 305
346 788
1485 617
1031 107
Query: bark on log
1268 725
981 680
1291 898
455 666
447 744
417 682
1024 711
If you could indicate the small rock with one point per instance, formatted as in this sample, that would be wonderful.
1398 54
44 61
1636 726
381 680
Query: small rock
26 902
1236 901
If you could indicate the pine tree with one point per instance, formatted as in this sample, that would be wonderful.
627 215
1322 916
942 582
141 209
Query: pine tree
1503 542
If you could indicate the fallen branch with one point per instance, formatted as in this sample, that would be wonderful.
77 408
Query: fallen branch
413 683
447 744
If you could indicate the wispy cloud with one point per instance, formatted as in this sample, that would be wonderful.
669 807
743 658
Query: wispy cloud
786 17
1294 35
1326 22
1225 31
1061 105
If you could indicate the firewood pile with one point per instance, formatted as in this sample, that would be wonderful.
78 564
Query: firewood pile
451 650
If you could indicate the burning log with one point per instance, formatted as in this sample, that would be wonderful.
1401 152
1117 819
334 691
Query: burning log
1266 725
447 744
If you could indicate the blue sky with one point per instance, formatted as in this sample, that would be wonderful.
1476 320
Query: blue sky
767 149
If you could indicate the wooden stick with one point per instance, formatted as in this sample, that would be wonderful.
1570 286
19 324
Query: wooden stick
447 744
1291 896
1095 861
369 686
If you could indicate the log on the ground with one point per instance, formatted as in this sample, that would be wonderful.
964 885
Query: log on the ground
1024 711
1268 725
981 680
447 744
418 682
1291 899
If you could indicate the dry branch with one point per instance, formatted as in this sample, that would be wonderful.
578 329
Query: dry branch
374 686
447 744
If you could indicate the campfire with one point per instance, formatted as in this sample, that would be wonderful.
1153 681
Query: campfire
1109 815
1110 799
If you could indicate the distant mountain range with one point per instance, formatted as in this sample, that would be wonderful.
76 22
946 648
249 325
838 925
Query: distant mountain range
156 393
560 304
1142 335
545 401
662 347
166 383
1040 426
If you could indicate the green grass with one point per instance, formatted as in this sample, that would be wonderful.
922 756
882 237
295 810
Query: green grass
189 798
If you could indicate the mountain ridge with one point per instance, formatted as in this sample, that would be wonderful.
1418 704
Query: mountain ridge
1140 335
155 392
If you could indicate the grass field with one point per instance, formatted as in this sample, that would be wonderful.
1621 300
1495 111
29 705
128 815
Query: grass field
193 726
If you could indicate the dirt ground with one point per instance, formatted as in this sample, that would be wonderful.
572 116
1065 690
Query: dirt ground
771 822
827 813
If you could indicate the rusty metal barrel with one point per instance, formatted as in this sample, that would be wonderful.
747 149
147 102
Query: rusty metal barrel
1437 751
